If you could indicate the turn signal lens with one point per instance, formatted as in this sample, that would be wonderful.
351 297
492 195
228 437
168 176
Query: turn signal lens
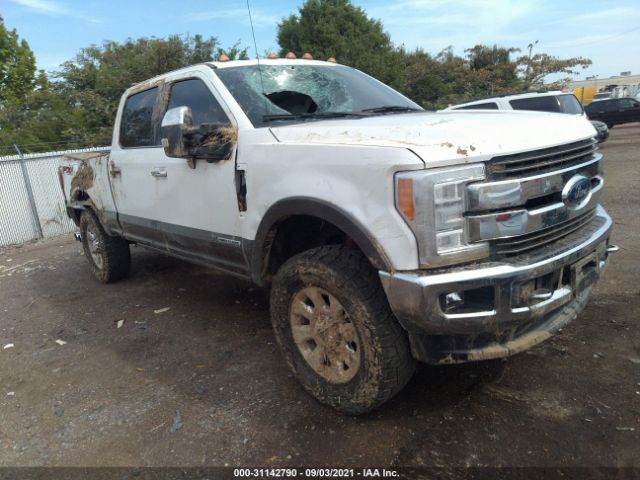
405 198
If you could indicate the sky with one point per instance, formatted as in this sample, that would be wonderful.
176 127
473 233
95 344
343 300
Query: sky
606 32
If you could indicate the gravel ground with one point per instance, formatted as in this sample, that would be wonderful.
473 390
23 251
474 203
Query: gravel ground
109 396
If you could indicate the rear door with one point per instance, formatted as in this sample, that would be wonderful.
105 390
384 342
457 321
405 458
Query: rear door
135 150
629 110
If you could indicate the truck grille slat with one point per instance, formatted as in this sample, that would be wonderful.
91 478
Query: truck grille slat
523 243
540 161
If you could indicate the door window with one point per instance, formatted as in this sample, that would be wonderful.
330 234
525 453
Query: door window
542 104
137 127
627 103
193 93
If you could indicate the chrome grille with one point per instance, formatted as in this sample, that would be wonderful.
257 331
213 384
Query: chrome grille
540 161
523 243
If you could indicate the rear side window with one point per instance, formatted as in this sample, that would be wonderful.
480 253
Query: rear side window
480 106
541 104
570 104
196 95
137 128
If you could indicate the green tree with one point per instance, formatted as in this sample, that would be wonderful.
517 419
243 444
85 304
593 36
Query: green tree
534 69
234 52
17 65
494 68
437 81
337 28
43 120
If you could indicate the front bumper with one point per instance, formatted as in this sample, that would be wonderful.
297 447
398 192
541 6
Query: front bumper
492 310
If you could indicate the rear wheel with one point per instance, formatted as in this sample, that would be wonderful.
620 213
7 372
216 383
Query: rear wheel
336 330
109 257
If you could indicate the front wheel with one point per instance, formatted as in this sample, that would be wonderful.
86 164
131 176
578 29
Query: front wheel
109 257
336 330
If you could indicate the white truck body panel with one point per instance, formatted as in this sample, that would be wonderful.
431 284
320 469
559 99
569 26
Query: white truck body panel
446 138
327 173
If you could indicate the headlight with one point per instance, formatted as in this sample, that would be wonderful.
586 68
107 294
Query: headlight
433 203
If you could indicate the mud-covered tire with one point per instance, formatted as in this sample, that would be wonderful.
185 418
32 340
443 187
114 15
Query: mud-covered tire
108 256
385 364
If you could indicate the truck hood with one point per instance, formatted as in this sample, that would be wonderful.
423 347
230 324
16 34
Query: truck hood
439 138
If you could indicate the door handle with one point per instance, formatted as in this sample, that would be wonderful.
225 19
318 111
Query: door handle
159 172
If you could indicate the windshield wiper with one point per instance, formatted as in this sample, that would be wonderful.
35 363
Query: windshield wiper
390 109
291 116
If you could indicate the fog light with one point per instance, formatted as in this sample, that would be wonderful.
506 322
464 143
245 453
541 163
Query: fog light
452 300
476 301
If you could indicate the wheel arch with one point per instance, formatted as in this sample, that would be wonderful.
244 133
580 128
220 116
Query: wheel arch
297 207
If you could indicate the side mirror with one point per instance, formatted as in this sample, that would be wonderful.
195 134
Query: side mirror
181 139
175 124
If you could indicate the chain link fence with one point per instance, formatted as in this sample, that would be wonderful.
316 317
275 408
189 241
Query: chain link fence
31 201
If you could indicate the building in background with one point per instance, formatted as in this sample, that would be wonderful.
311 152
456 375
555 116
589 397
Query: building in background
623 85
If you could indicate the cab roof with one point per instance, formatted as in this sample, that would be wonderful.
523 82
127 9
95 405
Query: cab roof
151 82
270 61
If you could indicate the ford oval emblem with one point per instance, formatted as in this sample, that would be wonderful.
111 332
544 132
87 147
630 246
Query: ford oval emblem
577 192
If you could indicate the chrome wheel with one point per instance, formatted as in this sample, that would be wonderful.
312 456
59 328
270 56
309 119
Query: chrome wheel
95 246
325 335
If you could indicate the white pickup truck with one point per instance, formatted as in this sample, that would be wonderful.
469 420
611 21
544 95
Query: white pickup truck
386 234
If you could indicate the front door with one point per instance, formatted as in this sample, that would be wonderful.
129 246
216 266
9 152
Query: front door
629 110
162 201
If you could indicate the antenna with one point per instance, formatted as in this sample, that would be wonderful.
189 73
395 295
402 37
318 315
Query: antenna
255 44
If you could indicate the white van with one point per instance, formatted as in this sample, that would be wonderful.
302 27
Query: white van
555 101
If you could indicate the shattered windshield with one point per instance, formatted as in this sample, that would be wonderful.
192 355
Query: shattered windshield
272 93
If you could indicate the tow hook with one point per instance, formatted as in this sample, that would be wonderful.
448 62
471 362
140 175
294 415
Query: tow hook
78 236
612 248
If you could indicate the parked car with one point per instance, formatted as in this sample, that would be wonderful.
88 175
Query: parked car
602 129
555 101
615 111
386 234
